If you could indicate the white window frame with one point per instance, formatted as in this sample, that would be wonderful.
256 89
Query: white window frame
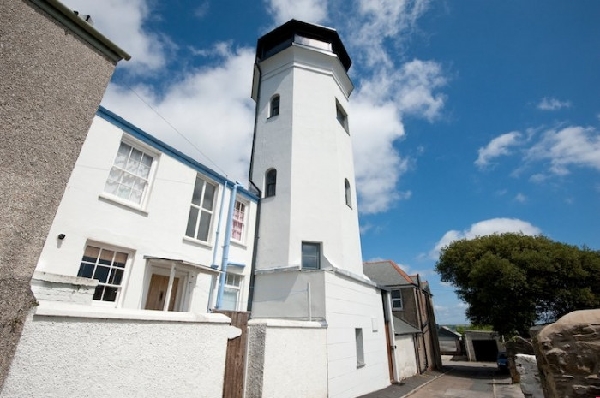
348 193
201 209
244 221
238 283
121 288
319 247
272 112
342 116
395 301
146 150
360 351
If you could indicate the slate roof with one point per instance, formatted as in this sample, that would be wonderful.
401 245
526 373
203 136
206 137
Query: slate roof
401 327
386 273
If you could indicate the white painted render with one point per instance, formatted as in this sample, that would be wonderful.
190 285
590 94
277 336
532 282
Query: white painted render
313 156
156 355
295 363
404 353
86 215
351 305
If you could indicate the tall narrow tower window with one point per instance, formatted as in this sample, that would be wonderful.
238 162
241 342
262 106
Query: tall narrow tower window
342 116
271 183
311 255
274 109
348 193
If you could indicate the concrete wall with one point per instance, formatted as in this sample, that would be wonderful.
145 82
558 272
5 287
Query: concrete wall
288 359
156 229
284 294
68 353
52 83
353 305
406 361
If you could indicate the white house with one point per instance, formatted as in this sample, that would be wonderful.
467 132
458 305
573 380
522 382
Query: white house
149 224
147 243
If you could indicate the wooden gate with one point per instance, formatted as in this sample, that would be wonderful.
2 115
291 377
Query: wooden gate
235 359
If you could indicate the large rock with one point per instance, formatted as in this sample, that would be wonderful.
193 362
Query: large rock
518 345
568 355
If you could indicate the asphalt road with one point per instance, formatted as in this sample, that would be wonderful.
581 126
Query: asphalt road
470 380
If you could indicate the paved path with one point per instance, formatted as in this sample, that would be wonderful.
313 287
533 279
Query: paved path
458 380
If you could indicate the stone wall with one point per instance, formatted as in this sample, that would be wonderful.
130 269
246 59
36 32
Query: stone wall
518 346
52 82
568 355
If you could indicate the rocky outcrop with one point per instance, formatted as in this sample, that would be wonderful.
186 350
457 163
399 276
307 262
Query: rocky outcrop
568 355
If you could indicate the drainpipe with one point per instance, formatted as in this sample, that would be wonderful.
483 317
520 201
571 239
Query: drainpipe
215 249
225 258
422 326
258 204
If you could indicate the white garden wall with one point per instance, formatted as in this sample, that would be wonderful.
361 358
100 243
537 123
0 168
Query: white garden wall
294 359
118 353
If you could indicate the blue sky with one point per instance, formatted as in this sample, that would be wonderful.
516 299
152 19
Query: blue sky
468 117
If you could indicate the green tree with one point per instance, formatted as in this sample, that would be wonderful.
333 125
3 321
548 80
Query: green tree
511 281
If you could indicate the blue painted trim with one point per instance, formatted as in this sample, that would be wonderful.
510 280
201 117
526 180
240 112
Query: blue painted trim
154 142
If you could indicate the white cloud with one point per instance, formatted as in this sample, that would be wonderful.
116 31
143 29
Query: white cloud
520 198
570 146
202 10
314 11
372 23
122 22
209 106
499 146
486 227
552 104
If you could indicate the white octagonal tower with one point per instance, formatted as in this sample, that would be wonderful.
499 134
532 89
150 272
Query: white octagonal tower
308 260
302 152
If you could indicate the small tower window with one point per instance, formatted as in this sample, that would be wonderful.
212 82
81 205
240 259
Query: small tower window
274 109
271 183
342 116
348 193
311 255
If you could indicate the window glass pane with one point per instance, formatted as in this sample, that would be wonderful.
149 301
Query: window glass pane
91 251
86 270
135 196
230 298
98 292
204 226
144 170
115 174
122 155
123 192
396 294
111 187
192 218
197 196
116 276
110 294
209 194
120 260
309 249
101 274
106 256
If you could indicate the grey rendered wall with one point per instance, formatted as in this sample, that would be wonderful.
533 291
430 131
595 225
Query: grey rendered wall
50 87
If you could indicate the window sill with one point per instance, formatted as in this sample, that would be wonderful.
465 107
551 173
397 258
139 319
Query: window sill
239 244
197 242
122 203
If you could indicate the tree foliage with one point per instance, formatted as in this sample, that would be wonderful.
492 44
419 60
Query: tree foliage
511 281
